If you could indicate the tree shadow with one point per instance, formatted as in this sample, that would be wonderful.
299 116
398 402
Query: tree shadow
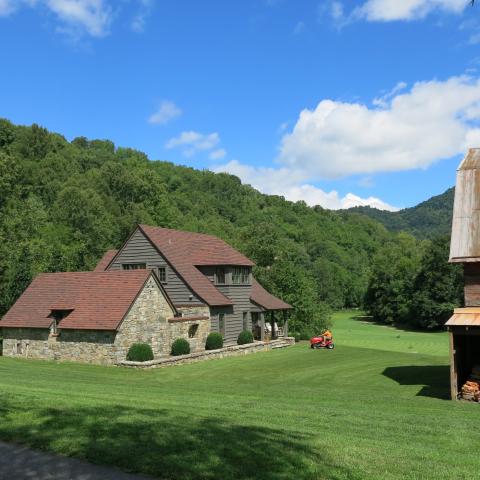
404 327
167 446
434 378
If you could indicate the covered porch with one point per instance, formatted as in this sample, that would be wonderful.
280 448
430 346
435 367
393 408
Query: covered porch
269 314
270 324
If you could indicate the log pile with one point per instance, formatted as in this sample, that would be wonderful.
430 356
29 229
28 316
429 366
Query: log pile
471 389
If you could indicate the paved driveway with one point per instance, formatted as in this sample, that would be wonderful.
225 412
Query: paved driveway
21 463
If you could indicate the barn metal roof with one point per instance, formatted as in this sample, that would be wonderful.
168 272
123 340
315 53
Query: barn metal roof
465 240
465 317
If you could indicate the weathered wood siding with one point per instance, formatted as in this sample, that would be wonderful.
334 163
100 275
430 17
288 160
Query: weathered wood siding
240 296
139 249
465 240
472 284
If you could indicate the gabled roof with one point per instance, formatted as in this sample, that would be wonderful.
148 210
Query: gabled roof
105 260
265 299
198 248
186 250
98 300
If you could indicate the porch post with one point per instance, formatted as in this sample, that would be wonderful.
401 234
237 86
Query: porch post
272 323
285 323
262 326
453 367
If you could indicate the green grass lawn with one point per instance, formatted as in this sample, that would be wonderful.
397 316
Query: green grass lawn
374 408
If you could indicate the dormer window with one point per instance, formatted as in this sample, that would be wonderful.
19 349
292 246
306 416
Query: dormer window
220 276
58 314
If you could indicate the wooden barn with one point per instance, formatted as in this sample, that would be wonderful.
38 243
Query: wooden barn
464 325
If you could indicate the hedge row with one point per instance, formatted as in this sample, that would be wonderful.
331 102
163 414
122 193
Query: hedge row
142 352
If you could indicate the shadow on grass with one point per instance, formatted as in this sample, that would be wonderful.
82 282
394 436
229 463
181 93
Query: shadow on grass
157 443
434 378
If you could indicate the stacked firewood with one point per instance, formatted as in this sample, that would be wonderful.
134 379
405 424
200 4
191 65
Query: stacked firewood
471 389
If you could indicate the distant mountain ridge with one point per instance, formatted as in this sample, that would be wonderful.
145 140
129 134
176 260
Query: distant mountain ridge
426 220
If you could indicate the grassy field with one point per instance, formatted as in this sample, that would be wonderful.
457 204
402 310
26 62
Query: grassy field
374 408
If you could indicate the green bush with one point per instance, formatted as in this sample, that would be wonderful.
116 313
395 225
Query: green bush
140 352
180 347
214 341
245 337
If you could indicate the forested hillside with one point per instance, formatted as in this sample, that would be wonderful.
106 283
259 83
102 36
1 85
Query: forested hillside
62 204
426 220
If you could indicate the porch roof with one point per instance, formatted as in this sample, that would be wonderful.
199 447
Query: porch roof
465 317
265 299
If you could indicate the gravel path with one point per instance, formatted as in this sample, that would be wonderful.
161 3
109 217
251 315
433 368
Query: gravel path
22 463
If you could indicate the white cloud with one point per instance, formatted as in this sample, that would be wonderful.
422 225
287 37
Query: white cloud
192 142
394 10
292 185
166 112
336 10
78 17
218 154
139 20
6 7
94 16
434 120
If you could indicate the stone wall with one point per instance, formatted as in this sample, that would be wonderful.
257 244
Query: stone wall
146 323
231 351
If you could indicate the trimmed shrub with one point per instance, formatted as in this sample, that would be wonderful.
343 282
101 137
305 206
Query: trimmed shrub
180 347
214 341
245 337
140 352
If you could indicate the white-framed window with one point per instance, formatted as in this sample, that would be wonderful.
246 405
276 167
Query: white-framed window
134 266
241 276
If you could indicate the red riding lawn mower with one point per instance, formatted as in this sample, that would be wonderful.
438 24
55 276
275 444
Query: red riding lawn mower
322 342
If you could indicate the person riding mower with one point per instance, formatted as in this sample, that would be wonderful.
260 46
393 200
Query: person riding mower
323 341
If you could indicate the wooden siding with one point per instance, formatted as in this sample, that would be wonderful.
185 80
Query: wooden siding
472 284
465 241
240 296
138 249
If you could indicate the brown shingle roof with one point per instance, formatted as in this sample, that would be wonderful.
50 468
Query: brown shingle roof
105 260
265 299
99 300
186 250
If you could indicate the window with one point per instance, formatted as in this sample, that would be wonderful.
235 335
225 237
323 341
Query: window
241 276
162 274
221 323
192 330
220 276
245 321
134 266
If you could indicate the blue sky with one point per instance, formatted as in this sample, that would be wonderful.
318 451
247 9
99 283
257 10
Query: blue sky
337 103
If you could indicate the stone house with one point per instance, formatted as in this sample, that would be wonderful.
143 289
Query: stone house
161 284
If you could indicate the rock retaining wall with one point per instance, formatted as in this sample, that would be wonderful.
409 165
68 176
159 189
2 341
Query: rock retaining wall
232 351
